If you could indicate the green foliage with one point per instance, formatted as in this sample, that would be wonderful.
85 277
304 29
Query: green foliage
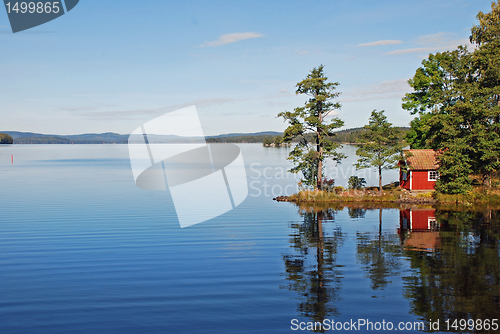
435 81
444 97
308 124
420 130
457 96
356 182
5 139
381 146
455 168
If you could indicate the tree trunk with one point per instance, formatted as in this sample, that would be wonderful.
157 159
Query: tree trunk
487 180
319 149
380 222
320 175
380 230
498 104
319 257
380 179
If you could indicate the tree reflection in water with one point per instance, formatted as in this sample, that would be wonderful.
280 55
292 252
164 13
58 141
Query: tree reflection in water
380 255
311 268
355 213
448 261
461 278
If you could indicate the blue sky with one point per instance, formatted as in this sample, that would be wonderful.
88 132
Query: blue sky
110 66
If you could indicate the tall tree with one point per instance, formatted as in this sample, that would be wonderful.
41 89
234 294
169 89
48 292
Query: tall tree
381 145
310 125
486 61
457 96
444 97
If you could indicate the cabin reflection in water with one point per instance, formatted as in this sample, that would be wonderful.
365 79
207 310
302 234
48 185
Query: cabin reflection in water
419 230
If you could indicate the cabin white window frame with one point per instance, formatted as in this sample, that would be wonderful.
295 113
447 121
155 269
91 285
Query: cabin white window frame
432 223
432 175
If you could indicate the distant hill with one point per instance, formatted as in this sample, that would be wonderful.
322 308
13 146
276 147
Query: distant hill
88 138
108 137
115 138
344 136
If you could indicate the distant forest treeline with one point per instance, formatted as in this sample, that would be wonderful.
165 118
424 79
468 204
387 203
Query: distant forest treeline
350 136
249 138
344 136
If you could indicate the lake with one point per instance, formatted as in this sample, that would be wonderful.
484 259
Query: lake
83 250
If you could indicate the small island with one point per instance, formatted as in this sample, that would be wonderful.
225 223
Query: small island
6 139
275 142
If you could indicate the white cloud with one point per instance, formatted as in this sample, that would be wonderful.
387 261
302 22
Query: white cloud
383 42
95 106
301 53
384 90
433 43
231 38
104 113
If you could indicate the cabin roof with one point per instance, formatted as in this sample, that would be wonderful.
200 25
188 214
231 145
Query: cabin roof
422 160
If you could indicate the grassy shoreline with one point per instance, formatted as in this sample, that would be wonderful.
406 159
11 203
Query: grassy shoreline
394 195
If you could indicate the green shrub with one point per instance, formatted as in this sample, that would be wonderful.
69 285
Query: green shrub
356 182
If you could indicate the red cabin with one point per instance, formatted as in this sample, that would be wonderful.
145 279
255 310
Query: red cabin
422 172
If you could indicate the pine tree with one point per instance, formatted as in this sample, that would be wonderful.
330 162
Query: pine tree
381 145
314 131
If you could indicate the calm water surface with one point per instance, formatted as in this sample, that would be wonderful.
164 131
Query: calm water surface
83 250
